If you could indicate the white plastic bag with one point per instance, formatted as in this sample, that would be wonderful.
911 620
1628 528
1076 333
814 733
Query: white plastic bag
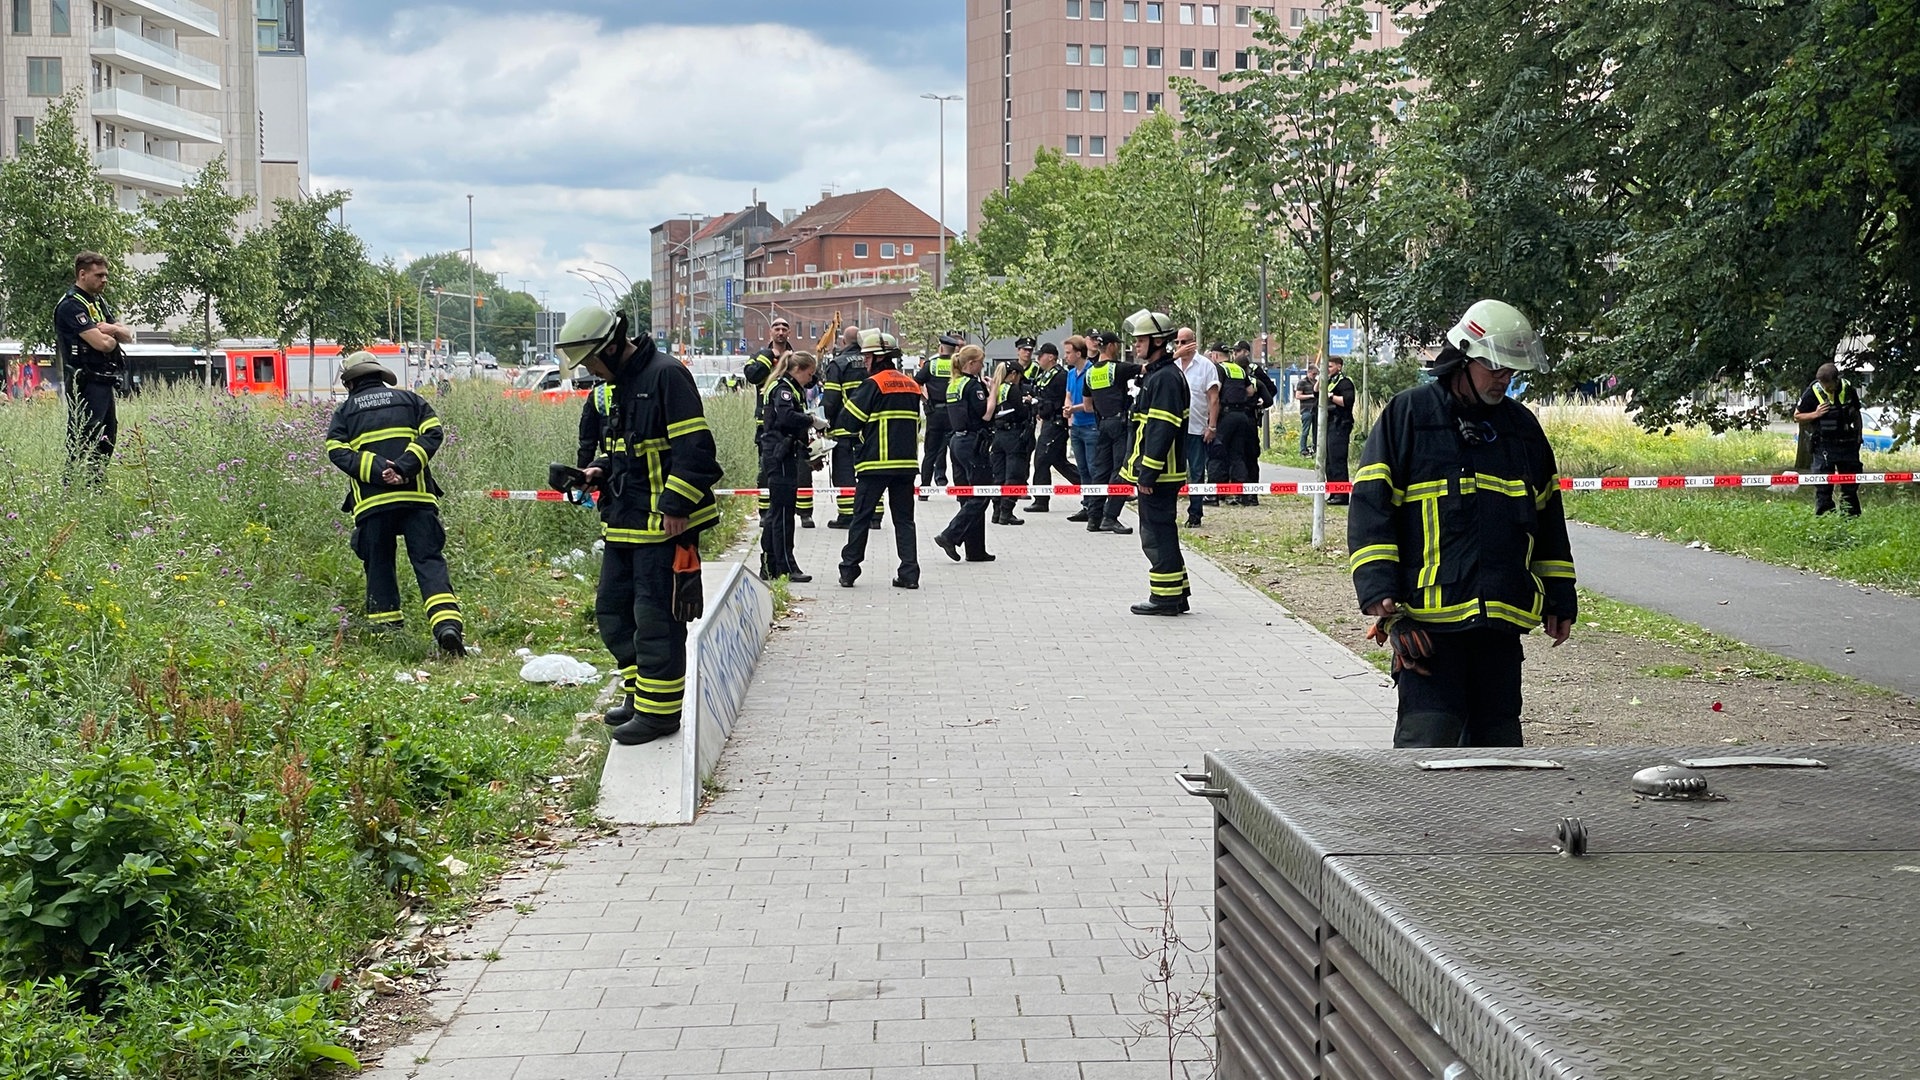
559 669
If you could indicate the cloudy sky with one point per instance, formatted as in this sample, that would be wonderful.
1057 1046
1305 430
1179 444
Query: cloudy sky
577 125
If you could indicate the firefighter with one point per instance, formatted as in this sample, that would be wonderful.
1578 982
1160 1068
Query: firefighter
784 461
758 372
1456 536
1156 462
654 479
840 376
92 364
1050 436
384 437
1107 379
969 410
885 412
1012 440
1831 410
932 377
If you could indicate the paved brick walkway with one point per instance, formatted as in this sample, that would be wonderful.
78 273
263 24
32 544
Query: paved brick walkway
941 809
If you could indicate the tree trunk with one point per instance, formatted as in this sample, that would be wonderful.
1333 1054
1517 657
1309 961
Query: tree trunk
1320 364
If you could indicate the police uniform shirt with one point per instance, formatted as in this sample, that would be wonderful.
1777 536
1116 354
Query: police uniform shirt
966 402
1841 426
1107 386
1050 393
76 314
1339 415
933 377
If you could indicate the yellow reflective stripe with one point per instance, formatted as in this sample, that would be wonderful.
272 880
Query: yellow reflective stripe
896 414
1435 613
1496 484
1527 618
429 424
417 451
664 685
855 411
385 617
444 615
1378 470
1553 568
1171 575
1372 553
704 515
336 444
382 435
683 489
887 464
390 498
1429 544
439 598
1169 417
1547 493
687 427
648 446
1153 462
366 467
1426 489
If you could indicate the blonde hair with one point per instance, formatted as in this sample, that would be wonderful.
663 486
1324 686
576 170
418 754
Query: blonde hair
968 354
794 360
1077 343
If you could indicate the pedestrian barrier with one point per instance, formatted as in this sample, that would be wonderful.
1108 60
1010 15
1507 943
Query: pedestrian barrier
1314 487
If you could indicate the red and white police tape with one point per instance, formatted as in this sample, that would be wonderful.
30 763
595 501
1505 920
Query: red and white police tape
1587 483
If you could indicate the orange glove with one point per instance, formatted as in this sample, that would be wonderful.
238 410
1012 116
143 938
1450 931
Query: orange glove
688 601
1410 643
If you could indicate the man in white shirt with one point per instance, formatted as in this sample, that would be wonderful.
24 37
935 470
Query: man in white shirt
1203 410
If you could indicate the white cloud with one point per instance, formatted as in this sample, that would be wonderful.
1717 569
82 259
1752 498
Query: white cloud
575 139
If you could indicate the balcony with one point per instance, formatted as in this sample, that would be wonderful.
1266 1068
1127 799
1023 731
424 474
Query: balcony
154 60
135 169
835 279
128 109
180 16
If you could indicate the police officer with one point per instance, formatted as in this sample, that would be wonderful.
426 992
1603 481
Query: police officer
1238 438
1457 540
1050 434
932 377
758 371
1107 379
1156 462
1831 410
384 437
885 411
1267 392
839 376
783 461
969 410
655 498
1012 433
1339 433
88 340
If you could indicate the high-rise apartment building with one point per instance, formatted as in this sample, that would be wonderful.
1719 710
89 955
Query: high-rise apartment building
1080 75
166 86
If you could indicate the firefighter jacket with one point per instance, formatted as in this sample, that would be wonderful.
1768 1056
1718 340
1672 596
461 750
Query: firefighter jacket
658 456
839 377
377 426
593 441
1456 515
1107 386
758 368
885 409
966 402
1159 444
933 377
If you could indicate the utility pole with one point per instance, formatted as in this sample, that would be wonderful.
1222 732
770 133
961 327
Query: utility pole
940 268
473 305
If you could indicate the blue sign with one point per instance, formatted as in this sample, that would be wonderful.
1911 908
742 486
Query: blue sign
730 296
1340 342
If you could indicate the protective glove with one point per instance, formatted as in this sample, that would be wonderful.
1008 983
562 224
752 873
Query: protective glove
688 601
820 423
1410 643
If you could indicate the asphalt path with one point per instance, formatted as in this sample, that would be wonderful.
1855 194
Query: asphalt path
1867 633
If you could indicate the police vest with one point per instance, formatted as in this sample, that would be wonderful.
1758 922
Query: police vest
1233 386
1842 422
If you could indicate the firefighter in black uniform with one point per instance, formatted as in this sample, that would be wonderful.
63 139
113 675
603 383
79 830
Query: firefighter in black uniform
1107 379
1238 440
1050 439
654 479
1265 393
1338 439
758 373
1457 539
968 410
88 341
932 377
1012 435
885 412
1831 408
840 376
784 461
384 437
1156 462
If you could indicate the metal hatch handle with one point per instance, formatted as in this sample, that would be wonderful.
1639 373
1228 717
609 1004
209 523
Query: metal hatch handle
1753 762
1490 763
1196 784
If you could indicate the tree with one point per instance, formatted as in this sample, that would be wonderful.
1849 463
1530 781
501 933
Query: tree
639 307
208 263
1049 196
53 205
326 286
1298 135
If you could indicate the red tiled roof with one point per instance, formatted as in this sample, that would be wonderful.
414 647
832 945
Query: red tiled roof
879 212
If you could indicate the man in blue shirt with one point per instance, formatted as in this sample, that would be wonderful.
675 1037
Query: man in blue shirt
1083 428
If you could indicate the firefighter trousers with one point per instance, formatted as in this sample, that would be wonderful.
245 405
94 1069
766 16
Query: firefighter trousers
1473 696
1167 583
897 486
419 525
634 608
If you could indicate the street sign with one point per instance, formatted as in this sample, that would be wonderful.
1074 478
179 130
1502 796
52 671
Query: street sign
1340 341
730 307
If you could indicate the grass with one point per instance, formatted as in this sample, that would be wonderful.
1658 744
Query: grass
1598 612
182 655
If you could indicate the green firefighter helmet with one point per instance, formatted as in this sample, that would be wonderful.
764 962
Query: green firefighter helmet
1496 334
586 332
1149 324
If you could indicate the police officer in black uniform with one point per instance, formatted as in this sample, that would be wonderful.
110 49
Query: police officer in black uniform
1107 379
1050 436
758 372
968 410
885 411
1238 440
384 437
932 377
1339 433
1012 434
1831 409
88 341
655 498
1156 462
784 461
1267 392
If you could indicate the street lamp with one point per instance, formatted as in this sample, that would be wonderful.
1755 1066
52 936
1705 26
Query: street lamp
940 268
473 302
633 315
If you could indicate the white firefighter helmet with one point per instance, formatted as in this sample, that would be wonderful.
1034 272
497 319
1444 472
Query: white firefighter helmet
1496 334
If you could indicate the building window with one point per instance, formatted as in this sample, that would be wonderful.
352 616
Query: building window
1154 56
1373 23
1241 61
1130 11
907 250
22 132
1210 59
1096 56
887 251
60 16
43 76
1130 56
1096 101
1243 15
22 16
860 250
1097 9
1073 101
1210 15
1130 101
1097 146
1073 146
1073 55
1186 14
1297 18
1073 9
1186 59
1155 10
1153 100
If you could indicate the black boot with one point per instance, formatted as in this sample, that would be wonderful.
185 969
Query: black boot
449 640
806 521
620 713
643 729
1040 504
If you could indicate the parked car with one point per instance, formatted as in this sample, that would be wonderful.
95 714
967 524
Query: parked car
1880 426
545 382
